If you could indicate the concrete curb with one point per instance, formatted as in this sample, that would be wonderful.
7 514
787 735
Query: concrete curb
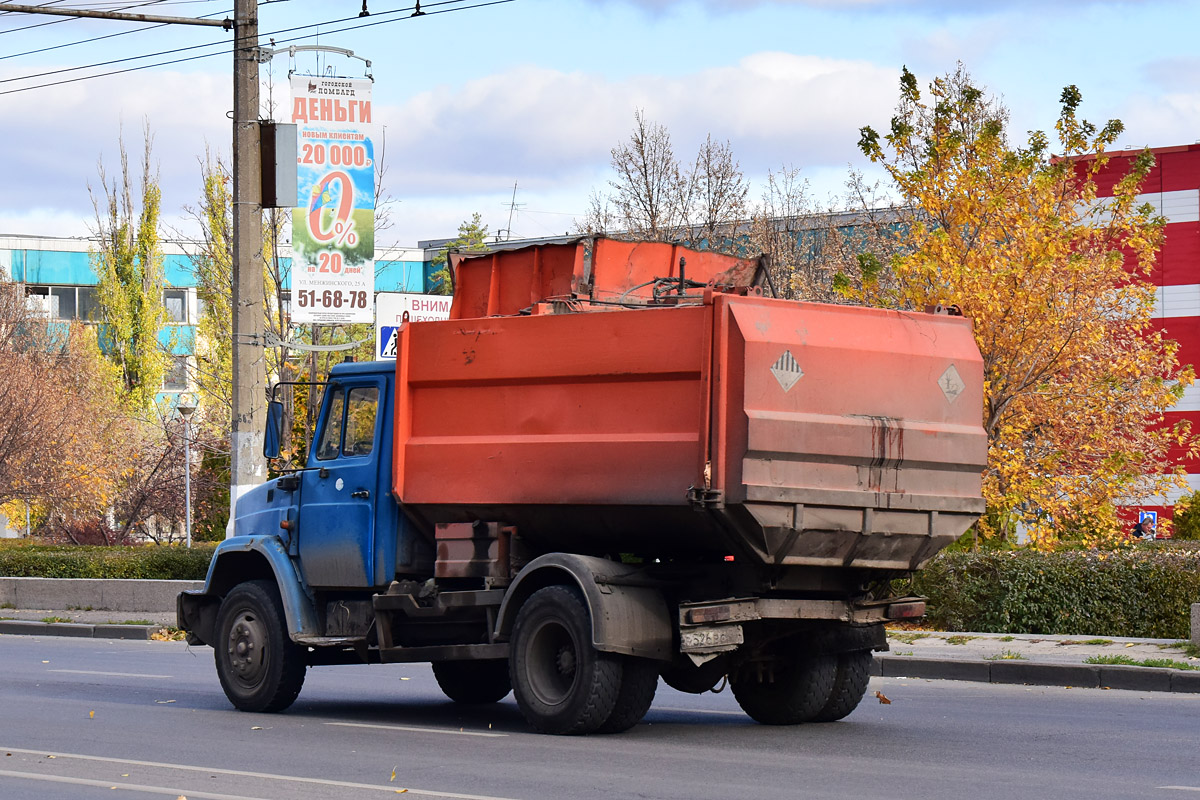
92 593
1084 676
21 627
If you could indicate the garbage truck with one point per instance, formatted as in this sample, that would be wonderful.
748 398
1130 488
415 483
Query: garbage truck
617 462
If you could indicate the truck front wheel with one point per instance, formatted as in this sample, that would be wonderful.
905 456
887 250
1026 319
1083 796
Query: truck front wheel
260 668
473 682
795 689
562 683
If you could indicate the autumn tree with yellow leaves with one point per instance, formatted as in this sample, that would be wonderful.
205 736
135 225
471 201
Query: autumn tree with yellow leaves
1056 284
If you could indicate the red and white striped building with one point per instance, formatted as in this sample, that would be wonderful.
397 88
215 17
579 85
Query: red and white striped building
1173 187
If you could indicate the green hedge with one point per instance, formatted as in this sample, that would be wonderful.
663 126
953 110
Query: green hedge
72 561
1144 593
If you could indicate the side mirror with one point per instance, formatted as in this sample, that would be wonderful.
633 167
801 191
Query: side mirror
273 435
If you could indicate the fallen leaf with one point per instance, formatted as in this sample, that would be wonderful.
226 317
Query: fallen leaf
393 775
51 756
883 698
405 679
124 774
45 662
1129 644
256 728
401 791
91 715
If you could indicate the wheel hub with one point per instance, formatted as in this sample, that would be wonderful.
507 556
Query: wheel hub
245 647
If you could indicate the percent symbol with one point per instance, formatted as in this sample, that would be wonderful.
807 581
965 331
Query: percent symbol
344 234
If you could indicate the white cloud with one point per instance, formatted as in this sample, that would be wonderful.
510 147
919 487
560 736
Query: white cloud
1173 119
546 127
56 137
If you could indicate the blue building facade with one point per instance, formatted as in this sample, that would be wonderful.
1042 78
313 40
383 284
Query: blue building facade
60 284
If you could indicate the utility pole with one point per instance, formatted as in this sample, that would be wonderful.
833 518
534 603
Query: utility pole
248 468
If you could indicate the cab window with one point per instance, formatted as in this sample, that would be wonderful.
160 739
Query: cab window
361 406
331 437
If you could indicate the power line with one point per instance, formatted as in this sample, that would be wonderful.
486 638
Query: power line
111 35
219 44
65 19
235 46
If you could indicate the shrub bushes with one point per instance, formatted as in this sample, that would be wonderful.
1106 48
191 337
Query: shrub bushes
26 560
1146 592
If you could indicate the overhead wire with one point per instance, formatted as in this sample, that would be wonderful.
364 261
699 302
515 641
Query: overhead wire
110 35
63 19
228 48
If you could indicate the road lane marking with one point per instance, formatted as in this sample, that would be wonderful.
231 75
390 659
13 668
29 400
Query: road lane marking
390 789
409 729
133 787
110 674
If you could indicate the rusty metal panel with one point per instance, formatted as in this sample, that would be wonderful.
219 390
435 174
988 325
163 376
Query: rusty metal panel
853 435
508 282
478 550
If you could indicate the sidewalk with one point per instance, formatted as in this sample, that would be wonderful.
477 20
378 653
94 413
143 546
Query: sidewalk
87 624
1040 660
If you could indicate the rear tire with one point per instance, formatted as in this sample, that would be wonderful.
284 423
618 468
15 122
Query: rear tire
849 685
260 668
563 685
639 682
473 682
794 692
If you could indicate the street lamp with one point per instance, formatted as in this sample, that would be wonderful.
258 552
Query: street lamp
186 407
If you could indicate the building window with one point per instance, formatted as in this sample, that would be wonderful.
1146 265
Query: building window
88 307
175 301
63 302
176 377
38 301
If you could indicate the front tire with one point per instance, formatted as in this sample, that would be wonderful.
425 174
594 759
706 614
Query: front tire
473 682
563 685
260 668
796 690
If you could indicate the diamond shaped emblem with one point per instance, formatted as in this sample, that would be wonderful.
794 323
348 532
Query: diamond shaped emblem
786 370
951 383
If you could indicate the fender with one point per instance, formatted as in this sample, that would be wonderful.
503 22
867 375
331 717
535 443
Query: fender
247 558
628 619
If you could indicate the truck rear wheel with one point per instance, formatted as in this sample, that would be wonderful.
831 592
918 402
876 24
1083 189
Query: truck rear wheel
639 681
260 668
473 682
849 685
562 683
796 691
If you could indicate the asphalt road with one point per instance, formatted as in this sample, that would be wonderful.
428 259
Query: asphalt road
161 727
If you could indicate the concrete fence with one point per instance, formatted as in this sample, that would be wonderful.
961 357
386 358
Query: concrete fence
95 593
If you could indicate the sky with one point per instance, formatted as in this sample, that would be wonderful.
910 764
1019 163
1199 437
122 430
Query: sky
475 98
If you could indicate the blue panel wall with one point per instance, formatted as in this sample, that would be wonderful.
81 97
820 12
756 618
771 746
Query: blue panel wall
50 266
400 276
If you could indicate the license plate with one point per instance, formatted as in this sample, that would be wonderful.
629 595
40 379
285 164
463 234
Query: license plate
707 638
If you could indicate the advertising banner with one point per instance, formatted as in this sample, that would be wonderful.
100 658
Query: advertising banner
392 309
333 221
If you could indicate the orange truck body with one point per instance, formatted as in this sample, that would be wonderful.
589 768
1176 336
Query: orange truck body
797 434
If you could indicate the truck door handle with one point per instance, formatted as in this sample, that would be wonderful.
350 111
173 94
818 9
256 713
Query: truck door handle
364 494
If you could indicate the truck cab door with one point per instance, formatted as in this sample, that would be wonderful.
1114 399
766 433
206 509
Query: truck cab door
337 516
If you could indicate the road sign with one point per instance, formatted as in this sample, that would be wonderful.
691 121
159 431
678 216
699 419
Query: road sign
392 309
